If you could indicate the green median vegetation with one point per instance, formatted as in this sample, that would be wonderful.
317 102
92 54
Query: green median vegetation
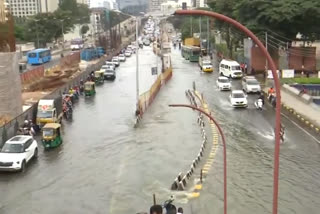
302 80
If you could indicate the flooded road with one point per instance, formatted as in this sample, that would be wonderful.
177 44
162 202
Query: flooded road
106 166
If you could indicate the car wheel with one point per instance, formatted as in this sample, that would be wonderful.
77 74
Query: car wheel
23 166
35 154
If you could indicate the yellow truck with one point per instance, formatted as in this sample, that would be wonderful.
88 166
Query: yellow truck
192 42
49 111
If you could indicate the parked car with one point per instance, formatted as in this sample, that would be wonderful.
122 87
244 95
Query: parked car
17 152
128 53
122 57
110 64
223 83
238 99
116 61
109 74
251 85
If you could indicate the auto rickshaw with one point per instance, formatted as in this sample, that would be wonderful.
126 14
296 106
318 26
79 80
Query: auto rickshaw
99 77
89 88
51 135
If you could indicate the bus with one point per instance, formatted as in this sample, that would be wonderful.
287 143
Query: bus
38 56
190 53
77 44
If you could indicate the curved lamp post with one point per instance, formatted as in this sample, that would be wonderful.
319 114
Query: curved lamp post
276 84
224 148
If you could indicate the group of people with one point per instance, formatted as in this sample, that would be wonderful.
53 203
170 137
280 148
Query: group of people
170 209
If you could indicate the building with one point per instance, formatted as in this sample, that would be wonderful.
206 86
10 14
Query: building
26 8
87 2
155 5
2 11
46 6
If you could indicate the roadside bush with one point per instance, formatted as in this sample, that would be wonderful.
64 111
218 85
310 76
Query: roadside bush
305 80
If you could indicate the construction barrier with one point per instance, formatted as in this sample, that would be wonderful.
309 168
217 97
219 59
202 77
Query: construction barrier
146 99
32 75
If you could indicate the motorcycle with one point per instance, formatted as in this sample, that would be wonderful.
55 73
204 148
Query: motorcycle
259 104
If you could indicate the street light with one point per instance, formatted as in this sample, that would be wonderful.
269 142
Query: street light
271 64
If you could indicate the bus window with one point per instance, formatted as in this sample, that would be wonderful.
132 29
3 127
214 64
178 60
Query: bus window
32 55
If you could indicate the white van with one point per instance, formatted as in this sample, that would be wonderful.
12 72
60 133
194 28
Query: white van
230 68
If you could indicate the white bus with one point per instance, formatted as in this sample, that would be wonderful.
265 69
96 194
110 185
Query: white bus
77 44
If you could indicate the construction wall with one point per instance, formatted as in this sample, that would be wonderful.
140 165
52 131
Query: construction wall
302 56
10 85
145 99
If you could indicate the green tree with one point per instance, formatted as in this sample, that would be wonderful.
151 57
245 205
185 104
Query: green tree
285 17
79 13
84 29
19 32
226 7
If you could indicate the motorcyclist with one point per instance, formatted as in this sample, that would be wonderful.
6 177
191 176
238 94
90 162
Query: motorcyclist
270 93
261 96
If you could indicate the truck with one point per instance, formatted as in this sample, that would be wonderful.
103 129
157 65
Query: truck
192 42
49 111
205 63
101 51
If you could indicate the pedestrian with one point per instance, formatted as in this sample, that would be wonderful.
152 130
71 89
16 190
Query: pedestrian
303 91
180 210
253 71
156 209
245 68
307 73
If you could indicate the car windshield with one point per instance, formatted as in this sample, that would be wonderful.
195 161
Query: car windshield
238 95
207 63
47 132
44 114
12 148
235 67
224 80
109 71
114 60
252 82
121 55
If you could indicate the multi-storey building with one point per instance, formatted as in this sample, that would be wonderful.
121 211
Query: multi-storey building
84 2
155 5
24 8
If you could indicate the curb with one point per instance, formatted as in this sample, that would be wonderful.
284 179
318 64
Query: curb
301 118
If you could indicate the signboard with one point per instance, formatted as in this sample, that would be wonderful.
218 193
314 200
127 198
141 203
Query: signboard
154 70
288 73
270 76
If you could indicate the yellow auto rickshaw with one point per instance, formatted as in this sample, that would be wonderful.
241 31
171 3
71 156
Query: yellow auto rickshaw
51 135
89 88
99 77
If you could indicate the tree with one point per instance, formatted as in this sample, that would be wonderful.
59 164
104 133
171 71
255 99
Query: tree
19 32
285 17
226 7
80 13
47 26
84 29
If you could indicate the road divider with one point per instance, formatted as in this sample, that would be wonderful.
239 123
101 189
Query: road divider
181 185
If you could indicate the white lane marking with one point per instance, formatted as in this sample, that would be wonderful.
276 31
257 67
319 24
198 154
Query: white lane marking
305 131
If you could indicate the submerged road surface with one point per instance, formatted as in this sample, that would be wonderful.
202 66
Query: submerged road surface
107 166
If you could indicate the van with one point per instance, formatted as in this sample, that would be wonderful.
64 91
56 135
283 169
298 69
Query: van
230 68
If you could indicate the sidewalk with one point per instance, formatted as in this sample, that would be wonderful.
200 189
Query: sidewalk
309 112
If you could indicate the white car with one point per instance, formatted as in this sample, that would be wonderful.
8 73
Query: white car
238 99
122 57
251 85
17 152
116 61
223 83
128 53
109 64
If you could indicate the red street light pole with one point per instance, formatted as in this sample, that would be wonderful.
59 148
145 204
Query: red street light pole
224 148
276 84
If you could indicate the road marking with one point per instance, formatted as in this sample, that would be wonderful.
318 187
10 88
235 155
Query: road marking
305 131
